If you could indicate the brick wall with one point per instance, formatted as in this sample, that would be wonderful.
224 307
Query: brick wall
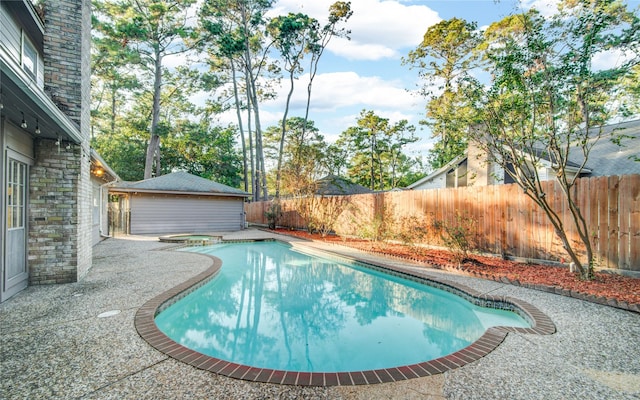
53 216
60 198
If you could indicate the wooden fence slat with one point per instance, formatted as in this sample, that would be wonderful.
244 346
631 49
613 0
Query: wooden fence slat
634 222
603 222
624 213
593 229
613 240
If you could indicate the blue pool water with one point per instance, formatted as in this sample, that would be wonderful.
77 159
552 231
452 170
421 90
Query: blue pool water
273 307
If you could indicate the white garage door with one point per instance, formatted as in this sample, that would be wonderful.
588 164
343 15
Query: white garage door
185 214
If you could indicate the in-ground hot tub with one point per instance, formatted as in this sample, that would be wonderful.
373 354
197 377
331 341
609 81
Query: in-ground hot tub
192 239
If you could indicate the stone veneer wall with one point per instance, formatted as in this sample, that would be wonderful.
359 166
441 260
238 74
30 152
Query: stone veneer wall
53 220
60 197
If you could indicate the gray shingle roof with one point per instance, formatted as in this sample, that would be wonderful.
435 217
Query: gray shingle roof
180 182
608 158
332 185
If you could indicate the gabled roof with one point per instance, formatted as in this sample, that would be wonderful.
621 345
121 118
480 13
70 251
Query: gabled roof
332 185
179 183
442 170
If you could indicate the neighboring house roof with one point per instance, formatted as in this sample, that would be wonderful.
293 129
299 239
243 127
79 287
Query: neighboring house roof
332 185
442 170
615 151
179 183
607 157
549 160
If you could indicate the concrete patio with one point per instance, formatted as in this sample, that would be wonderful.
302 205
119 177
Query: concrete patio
57 342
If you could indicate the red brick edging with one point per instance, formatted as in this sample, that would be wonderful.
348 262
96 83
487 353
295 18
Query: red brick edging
149 331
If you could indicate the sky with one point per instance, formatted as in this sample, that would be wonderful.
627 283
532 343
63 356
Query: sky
366 72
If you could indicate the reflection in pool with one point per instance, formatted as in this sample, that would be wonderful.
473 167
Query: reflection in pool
273 307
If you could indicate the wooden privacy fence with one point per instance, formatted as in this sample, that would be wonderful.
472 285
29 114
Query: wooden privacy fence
505 220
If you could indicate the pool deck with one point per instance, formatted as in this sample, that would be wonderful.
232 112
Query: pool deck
57 342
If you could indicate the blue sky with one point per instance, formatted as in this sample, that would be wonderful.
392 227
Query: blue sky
366 71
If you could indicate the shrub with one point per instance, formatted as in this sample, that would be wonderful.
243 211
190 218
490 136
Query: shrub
458 235
411 230
380 227
272 214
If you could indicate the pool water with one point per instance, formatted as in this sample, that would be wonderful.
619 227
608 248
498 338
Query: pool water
273 307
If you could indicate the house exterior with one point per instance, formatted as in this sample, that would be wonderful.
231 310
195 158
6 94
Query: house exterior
177 203
616 152
45 215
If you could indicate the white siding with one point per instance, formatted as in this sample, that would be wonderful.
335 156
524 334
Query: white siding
437 182
10 34
11 40
185 214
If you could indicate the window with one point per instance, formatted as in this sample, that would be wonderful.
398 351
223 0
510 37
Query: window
16 182
29 57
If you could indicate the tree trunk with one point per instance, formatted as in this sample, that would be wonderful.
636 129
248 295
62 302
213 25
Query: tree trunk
154 142
261 179
240 127
284 133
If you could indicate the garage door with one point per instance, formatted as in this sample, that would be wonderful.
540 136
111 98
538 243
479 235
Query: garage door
185 214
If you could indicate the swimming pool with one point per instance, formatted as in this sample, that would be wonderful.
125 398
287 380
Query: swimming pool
271 310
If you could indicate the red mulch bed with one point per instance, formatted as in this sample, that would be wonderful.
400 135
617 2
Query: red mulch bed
605 286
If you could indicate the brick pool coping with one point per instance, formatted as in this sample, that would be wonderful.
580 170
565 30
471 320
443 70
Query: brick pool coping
146 327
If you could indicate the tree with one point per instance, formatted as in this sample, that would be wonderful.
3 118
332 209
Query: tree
339 11
124 151
445 54
401 135
631 92
376 149
154 29
206 151
113 77
233 30
293 35
303 156
296 36
547 101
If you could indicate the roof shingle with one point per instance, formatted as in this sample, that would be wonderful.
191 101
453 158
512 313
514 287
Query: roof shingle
180 182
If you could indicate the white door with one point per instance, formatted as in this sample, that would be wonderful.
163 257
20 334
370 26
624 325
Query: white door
15 274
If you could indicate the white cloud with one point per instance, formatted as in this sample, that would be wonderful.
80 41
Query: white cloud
336 101
378 28
333 91
610 59
353 50
381 32
546 7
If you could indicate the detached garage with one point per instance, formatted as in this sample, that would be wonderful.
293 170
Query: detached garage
176 203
